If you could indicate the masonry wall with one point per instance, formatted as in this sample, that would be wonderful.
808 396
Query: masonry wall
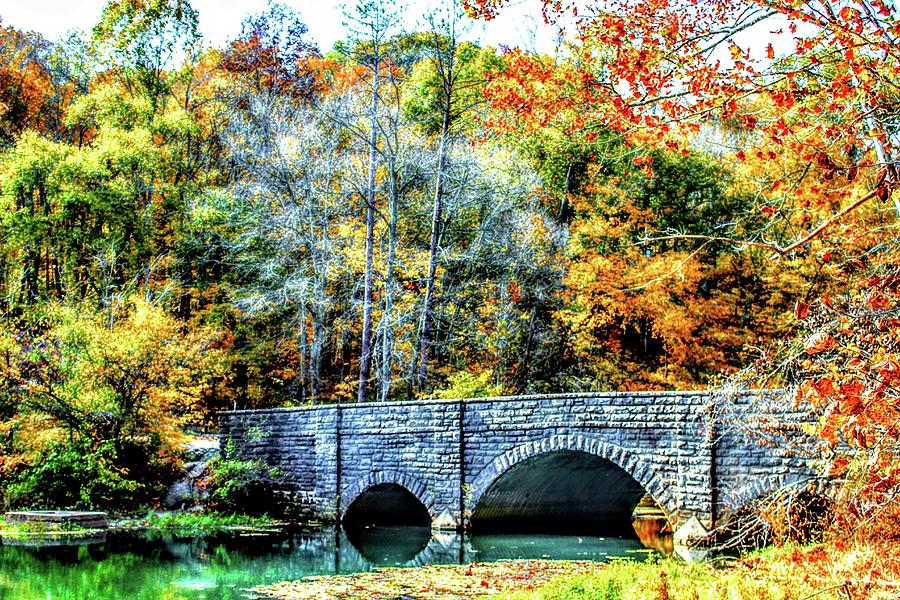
760 448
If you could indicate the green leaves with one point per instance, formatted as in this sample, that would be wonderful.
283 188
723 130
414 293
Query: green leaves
146 34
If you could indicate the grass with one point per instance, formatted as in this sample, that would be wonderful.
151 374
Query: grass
196 522
832 571
667 580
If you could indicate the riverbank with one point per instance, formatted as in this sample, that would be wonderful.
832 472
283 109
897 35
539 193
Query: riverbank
831 571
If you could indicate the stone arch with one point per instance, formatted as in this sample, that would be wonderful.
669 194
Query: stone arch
622 458
737 498
411 484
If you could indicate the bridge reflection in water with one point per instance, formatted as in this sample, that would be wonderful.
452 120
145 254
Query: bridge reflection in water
331 550
403 545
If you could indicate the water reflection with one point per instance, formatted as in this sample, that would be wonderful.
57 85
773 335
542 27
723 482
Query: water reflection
166 565
486 548
389 545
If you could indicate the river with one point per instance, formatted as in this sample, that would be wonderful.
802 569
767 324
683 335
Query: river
137 565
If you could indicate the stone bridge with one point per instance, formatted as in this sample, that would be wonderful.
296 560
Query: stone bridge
580 460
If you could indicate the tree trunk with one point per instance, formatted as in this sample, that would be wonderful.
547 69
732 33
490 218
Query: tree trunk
387 333
365 358
425 335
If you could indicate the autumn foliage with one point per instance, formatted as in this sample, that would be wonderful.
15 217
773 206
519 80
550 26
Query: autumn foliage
93 405
664 201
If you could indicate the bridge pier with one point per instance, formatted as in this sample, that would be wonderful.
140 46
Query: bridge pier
452 455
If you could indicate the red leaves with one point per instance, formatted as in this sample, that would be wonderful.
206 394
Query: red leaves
782 99
838 467
801 310
646 164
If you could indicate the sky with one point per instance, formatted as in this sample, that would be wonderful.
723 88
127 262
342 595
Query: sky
220 20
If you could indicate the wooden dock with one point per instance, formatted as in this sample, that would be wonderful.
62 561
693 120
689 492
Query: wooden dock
59 519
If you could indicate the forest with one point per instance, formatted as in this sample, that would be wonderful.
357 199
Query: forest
660 205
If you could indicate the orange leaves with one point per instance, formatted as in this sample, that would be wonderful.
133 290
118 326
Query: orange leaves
26 83
879 301
782 98
838 467
849 374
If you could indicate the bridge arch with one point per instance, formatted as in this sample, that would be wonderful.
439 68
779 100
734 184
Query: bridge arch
639 470
381 478
757 488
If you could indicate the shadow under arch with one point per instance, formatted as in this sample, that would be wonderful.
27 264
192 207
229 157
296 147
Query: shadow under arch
569 483
387 498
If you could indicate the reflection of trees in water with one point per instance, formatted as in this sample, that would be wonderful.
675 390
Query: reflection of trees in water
150 565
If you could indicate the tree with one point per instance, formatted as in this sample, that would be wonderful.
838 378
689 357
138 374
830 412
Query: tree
280 220
657 72
447 63
37 83
824 118
373 20
272 56
94 405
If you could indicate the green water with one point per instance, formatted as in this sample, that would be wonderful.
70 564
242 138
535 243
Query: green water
155 565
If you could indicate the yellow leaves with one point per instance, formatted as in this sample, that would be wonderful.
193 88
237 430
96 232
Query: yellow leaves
464 384
110 105
176 122
29 164
124 150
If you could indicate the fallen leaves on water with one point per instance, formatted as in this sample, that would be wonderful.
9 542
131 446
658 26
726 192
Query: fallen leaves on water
444 582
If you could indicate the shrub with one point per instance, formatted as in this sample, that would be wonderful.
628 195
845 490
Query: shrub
82 477
241 486
467 385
